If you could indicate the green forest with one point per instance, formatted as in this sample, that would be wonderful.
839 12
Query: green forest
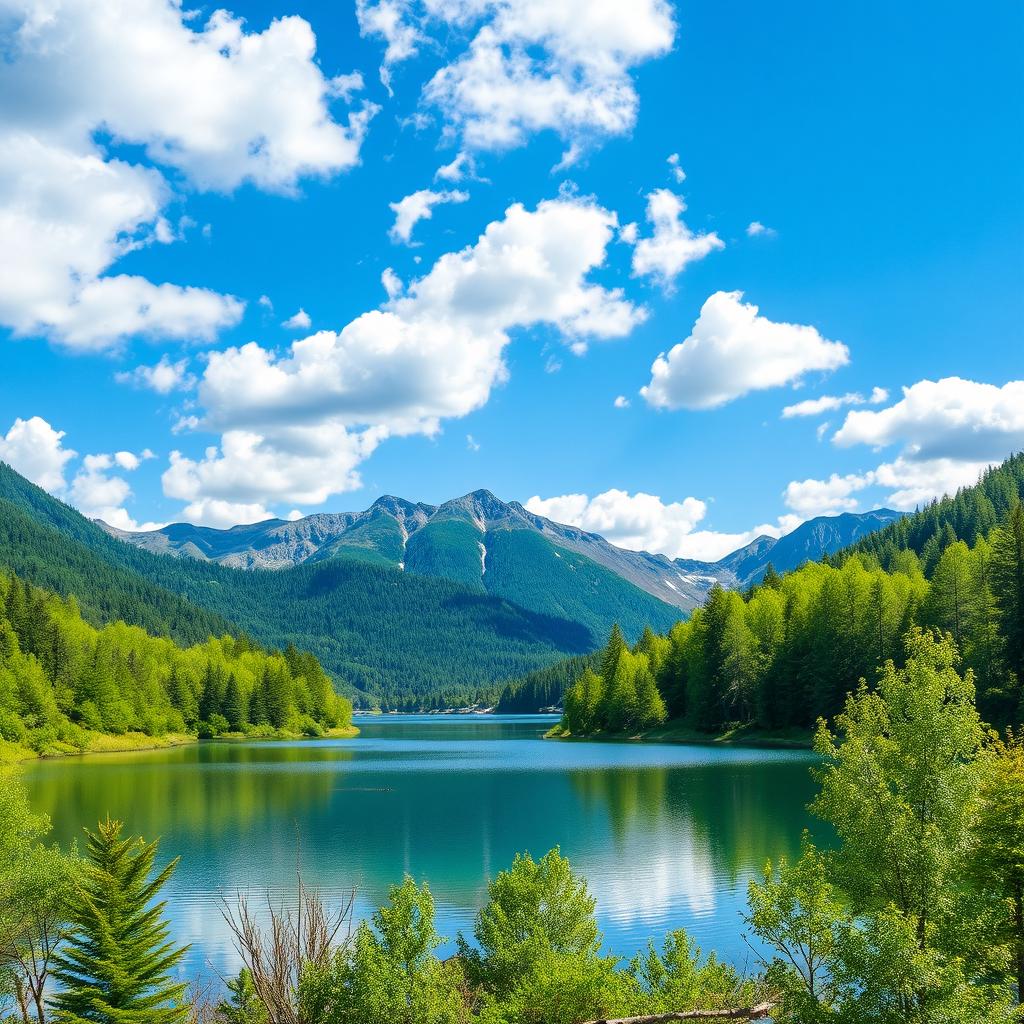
64 680
912 914
389 638
790 649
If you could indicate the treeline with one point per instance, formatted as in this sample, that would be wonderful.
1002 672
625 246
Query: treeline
544 688
62 678
913 915
390 638
971 513
790 649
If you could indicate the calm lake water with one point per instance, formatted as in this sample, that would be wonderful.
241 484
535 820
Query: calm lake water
667 835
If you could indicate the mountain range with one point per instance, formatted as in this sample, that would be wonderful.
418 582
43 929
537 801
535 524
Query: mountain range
407 605
461 539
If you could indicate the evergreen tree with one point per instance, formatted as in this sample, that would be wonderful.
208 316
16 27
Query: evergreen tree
1008 586
242 1005
611 654
234 705
117 964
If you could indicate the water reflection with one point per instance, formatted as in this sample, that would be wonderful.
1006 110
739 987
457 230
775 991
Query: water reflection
667 835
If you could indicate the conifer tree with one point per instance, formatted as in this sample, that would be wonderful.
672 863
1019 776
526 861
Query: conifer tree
117 964
611 654
1008 585
234 705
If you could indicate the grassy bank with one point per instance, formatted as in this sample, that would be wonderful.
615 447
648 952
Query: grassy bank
109 743
678 732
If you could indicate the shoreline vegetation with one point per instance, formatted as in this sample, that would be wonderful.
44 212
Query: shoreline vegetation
680 732
126 743
913 913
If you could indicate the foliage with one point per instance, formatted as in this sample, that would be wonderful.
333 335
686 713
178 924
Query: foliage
61 678
790 650
397 638
35 881
116 964
885 926
391 971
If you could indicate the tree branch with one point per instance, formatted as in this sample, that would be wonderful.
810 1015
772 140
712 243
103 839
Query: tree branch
757 1012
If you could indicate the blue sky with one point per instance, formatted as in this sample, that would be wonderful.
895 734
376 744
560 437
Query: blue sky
144 217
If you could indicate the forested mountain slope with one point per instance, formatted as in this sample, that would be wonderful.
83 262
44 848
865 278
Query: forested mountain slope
63 680
791 649
503 548
407 639
969 514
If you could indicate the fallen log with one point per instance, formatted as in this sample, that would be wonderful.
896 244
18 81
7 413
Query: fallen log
758 1012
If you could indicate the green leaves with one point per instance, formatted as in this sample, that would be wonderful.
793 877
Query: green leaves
117 963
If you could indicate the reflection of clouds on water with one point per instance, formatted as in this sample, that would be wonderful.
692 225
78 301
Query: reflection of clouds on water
664 873
666 835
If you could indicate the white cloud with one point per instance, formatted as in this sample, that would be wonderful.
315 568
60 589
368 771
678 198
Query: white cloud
677 171
629 233
472 443
640 522
37 451
643 522
223 514
163 378
621 402
299 321
68 217
296 426
530 65
673 245
915 482
810 498
419 206
462 166
731 351
828 403
264 301
948 418
99 494
217 104
392 283
948 431
755 228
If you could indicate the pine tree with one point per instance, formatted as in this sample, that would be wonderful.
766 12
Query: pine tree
234 705
611 654
1008 586
117 964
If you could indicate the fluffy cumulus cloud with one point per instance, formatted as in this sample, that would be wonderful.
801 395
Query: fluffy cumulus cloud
810 498
296 425
828 403
529 65
643 522
216 104
733 350
947 432
948 418
163 377
100 492
418 206
36 450
665 254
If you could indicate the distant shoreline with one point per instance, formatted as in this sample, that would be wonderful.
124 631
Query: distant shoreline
131 742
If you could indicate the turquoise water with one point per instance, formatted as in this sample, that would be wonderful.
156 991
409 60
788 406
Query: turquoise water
667 835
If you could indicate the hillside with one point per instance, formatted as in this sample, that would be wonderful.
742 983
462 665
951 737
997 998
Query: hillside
967 515
68 686
403 638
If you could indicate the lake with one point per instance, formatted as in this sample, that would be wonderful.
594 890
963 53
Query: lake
667 835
